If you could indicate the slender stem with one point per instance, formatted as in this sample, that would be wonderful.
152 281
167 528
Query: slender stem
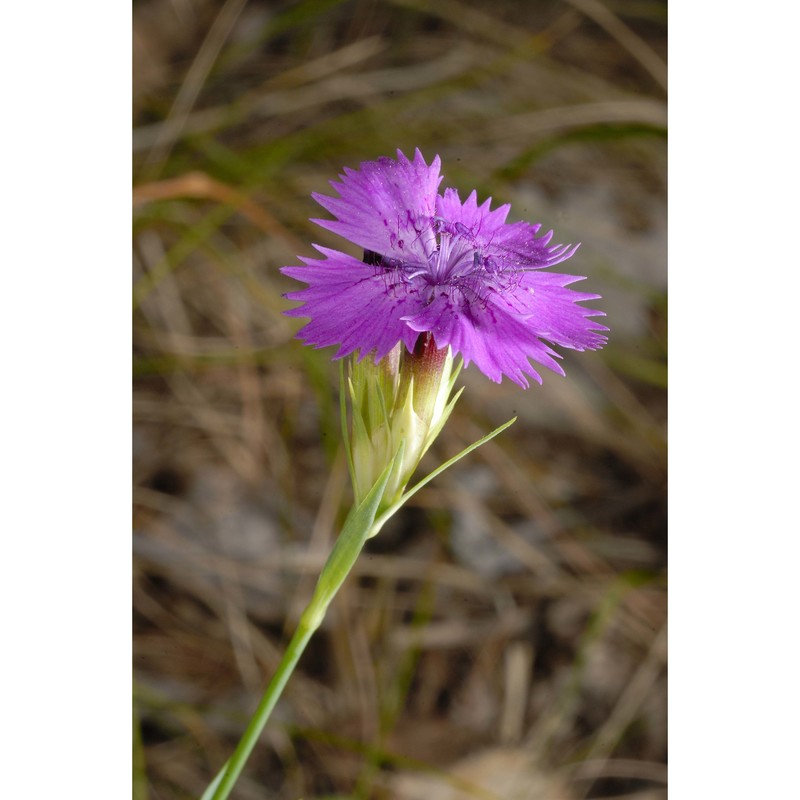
355 532
360 525
251 735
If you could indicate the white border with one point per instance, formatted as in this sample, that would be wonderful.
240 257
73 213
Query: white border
66 399
733 284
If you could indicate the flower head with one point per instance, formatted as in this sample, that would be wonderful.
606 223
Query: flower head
433 264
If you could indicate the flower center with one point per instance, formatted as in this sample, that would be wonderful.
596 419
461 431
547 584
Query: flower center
454 260
455 255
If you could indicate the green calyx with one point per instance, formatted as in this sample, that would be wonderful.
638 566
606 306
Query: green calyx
403 399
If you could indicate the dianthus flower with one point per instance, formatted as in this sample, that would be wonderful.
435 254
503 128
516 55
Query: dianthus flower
438 278
433 264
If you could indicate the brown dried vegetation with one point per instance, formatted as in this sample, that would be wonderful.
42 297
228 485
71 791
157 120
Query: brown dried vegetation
504 637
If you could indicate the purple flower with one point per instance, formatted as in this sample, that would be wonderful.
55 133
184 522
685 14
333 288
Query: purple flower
435 264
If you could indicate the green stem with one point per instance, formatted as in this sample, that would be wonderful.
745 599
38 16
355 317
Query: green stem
356 531
250 738
360 525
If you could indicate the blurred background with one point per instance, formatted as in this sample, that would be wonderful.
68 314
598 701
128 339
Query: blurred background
504 637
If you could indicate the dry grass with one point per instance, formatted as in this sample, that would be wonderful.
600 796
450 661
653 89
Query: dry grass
505 636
